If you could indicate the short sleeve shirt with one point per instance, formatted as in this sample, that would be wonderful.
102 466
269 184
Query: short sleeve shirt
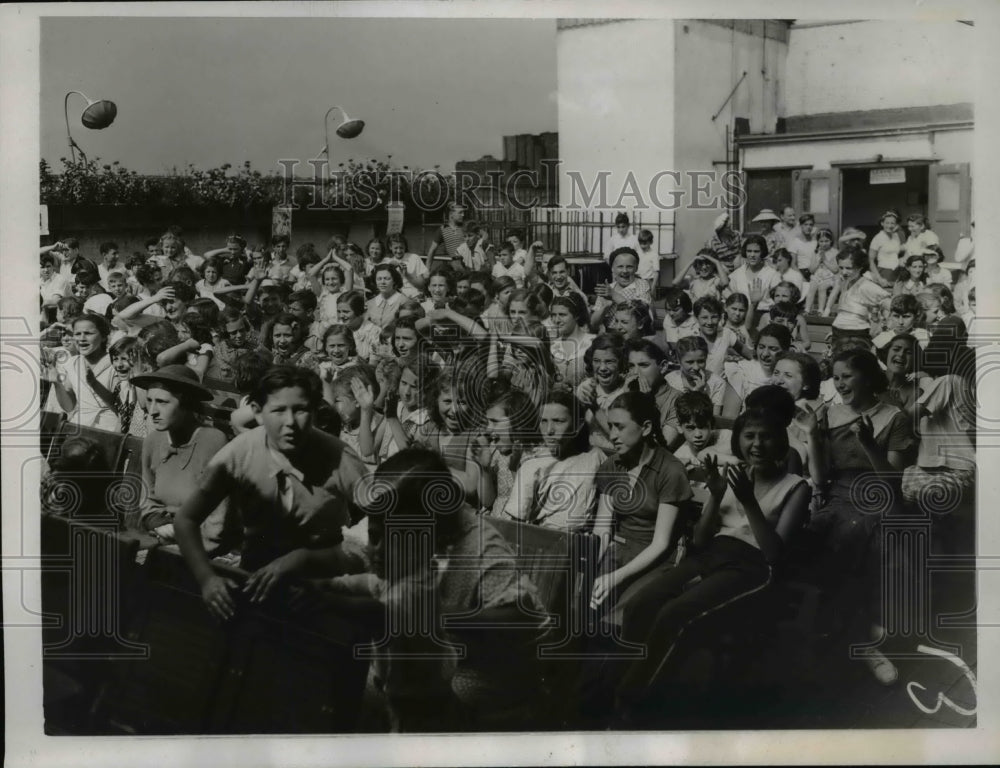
636 502
261 482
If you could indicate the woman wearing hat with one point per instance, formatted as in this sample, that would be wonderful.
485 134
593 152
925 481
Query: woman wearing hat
767 220
176 452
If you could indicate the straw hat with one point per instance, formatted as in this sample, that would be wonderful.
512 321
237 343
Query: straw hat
765 215
177 378
852 233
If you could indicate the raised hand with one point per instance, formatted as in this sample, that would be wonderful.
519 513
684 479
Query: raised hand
716 482
363 394
865 431
740 482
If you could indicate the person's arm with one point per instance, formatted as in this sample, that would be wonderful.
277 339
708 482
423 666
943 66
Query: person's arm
832 298
478 459
366 402
666 515
347 269
802 329
155 516
214 253
134 314
213 490
602 524
708 522
66 397
793 513
722 272
467 324
530 262
883 462
57 246
176 352
493 359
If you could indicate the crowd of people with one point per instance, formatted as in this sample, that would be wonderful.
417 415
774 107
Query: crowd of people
698 430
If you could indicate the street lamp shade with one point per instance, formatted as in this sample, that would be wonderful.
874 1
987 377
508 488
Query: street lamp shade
99 114
350 128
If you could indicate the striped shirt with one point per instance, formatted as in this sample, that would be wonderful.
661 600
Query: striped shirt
451 237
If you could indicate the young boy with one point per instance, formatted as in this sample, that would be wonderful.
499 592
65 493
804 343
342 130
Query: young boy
505 266
701 439
679 321
280 269
694 376
719 339
904 310
649 260
302 304
294 486
471 252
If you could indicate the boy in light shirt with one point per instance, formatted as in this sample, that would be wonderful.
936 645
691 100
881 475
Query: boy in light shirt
505 266
649 259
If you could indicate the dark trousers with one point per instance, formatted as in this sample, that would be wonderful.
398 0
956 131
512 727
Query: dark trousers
660 609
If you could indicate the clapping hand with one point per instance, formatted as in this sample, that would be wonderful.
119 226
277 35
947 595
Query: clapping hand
363 394
865 431
756 291
696 379
740 482
716 482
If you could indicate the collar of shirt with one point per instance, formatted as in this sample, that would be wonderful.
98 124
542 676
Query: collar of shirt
184 452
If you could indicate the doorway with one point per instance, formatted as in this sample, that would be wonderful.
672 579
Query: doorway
867 193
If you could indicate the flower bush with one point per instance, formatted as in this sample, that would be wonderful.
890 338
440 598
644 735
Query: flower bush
357 184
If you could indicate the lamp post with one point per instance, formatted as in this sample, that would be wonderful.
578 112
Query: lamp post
98 115
348 129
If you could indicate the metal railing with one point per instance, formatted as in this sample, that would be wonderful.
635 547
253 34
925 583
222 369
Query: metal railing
571 232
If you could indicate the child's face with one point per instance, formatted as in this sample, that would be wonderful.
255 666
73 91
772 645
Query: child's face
437 288
279 250
933 311
498 429
708 322
556 424
559 276
916 269
889 224
901 322
519 311
848 384
915 227
397 250
211 275
116 286
705 270
506 257
450 409
646 368
299 311
562 320
623 321
503 298
270 303
471 238
462 284
824 242
331 281
286 418
899 358
237 334
807 228
784 321
932 260
80 290
346 406
47 271
122 364
753 254
624 269
758 444
698 436
677 313
848 271
645 244
69 341
737 314
375 252
768 350
345 314
408 388
282 337
782 263
383 283
515 241
693 363
788 376
337 349
405 341
627 435
183 332
607 368
621 229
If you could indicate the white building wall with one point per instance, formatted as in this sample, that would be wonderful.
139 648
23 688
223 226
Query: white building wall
615 111
850 66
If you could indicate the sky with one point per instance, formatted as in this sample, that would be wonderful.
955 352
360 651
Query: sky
213 91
